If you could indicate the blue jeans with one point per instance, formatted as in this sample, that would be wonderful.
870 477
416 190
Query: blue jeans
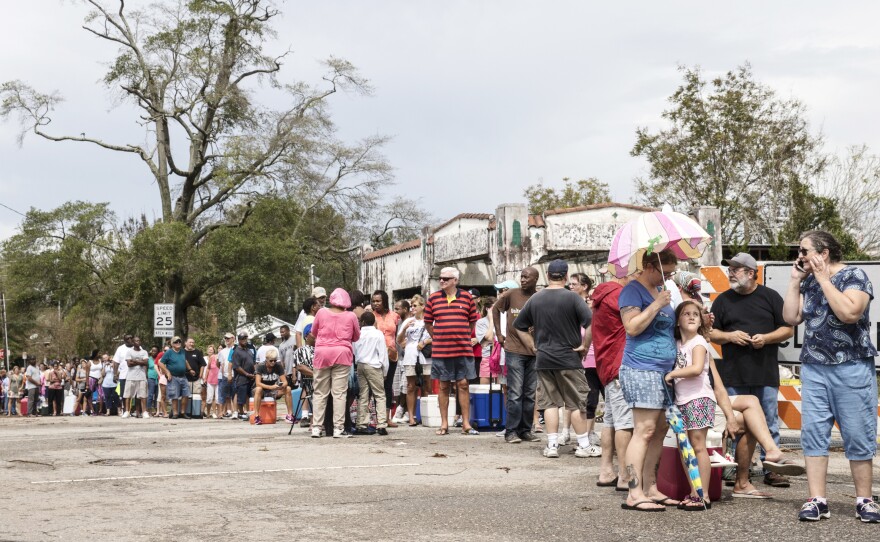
522 380
111 399
845 393
768 396
152 392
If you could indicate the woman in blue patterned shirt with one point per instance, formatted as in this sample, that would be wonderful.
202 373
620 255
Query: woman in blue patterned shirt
837 372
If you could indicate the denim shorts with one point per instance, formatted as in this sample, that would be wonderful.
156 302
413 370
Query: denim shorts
243 393
644 389
845 393
453 369
177 387
618 414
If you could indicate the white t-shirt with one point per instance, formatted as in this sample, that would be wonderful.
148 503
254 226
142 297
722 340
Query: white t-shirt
136 373
223 356
414 334
261 352
119 358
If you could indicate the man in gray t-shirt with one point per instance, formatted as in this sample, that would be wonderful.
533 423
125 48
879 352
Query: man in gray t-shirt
558 317
32 385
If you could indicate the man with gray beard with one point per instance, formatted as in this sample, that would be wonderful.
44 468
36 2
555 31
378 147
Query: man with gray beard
749 327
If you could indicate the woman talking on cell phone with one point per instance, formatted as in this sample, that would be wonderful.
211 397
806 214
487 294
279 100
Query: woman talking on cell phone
838 375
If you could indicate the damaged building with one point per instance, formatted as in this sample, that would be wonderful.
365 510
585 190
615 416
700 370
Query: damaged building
488 249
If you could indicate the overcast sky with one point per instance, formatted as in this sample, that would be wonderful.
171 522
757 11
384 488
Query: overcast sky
481 98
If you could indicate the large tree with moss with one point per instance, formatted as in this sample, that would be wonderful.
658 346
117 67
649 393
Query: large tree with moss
213 151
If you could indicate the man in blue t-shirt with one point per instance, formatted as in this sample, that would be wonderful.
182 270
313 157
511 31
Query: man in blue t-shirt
178 390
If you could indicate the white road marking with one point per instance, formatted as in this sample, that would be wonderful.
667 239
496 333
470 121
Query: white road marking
214 473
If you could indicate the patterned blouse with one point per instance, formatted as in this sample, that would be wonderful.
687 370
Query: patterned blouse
827 340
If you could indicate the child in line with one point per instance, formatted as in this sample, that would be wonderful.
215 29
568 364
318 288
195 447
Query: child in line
693 391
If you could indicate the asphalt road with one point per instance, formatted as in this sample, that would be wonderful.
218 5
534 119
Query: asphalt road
99 478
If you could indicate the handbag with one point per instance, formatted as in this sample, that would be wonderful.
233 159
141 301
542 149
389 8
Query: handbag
428 349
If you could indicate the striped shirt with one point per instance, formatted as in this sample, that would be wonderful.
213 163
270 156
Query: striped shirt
452 323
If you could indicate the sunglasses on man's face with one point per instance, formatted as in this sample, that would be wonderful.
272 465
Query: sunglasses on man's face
446 279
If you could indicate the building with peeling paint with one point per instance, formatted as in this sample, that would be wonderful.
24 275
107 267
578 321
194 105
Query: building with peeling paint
488 249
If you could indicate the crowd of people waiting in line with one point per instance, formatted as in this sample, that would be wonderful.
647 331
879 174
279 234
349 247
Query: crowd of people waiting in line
641 341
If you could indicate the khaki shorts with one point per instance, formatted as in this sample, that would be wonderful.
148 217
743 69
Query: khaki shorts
410 370
135 389
563 388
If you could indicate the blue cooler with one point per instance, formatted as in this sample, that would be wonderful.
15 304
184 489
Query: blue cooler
487 406
418 409
294 402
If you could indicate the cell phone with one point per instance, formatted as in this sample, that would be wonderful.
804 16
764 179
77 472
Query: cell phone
799 266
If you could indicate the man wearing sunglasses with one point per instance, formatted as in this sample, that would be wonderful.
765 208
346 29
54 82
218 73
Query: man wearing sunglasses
749 327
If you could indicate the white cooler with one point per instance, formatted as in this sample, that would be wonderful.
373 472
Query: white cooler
429 408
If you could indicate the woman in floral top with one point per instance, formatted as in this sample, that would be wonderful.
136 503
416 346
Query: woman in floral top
837 368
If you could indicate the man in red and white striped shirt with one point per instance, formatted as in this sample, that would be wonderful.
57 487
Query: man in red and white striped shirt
450 315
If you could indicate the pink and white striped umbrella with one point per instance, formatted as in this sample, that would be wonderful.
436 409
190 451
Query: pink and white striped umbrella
652 233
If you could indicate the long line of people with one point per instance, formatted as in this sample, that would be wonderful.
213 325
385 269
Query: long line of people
647 348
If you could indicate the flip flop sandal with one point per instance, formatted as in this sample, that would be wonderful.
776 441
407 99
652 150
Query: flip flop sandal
689 504
786 467
753 494
608 484
442 431
470 431
638 504
667 501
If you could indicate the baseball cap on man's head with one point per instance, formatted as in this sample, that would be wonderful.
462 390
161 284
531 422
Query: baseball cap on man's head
228 335
243 335
175 340
506 285
743 259
319 291
557 269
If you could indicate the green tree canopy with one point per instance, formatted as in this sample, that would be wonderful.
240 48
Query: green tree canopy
572 194
731 143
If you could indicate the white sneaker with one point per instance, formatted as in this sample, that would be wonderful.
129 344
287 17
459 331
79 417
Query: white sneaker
214 416
146 416
341 433
317 432
589 451
564 438
718 460
126 414
551 452
501 433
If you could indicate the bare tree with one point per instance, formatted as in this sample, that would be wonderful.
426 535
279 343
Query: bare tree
190 68
853 181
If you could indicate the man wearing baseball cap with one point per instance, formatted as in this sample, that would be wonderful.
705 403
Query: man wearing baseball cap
749 327
556 317
320 295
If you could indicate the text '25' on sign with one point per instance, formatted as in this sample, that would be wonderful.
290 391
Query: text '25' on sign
163 316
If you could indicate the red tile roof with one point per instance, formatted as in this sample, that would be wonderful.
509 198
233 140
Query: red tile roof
598 206
394 249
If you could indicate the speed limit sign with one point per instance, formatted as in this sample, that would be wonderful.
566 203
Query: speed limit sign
163 319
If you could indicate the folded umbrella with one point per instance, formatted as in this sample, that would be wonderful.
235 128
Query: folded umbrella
688 457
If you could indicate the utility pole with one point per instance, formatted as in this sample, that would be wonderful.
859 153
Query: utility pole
5 333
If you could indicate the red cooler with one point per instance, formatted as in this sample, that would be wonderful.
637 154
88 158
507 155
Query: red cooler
672 480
